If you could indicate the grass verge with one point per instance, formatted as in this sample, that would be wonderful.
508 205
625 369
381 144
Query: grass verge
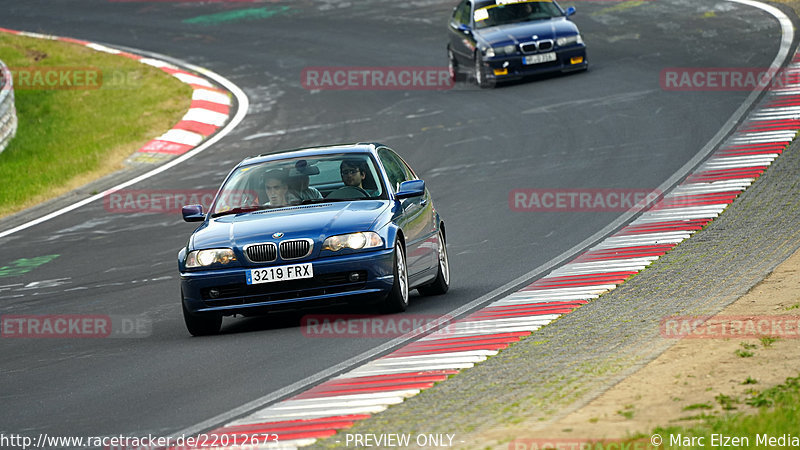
81 113
778 410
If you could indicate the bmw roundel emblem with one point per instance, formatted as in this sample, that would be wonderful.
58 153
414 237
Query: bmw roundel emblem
535 36
277 235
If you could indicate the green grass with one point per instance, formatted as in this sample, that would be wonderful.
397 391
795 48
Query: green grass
767 341
695 406
750 380
777 413
68 137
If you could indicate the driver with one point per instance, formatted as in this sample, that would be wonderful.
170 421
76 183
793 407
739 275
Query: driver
276 185
353 172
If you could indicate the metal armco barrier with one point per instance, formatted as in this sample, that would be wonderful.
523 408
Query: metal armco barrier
8 113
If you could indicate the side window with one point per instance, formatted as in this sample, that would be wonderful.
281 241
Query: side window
461 14
395 168
410 175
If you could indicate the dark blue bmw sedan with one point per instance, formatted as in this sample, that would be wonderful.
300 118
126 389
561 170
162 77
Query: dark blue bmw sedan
309 228
499 40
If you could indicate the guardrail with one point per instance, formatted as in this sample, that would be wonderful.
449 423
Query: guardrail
8 113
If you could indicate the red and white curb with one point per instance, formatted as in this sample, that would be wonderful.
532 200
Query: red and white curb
209 111
338 403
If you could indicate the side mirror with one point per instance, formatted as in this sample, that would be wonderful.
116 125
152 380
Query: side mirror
412 188
570 11
193 213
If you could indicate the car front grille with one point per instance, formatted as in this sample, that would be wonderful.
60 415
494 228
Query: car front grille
262 252
532 47
295 249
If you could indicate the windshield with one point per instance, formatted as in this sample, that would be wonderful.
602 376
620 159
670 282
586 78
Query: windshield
513 12
296 181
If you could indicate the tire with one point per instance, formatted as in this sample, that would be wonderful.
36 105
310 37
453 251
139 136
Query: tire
397 299
201 324
452 65
480 72
441 283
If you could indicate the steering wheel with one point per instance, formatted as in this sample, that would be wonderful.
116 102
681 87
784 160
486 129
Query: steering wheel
346 192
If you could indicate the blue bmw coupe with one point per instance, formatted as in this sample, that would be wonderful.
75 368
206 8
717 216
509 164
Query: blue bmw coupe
310 228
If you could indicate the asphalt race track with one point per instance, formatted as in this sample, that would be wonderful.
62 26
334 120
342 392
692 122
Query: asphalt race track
611 127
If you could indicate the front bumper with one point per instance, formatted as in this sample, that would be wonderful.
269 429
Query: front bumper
501 68
330 285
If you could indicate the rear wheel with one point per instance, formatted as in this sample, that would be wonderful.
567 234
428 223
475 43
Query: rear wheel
201 324
397 300
441 284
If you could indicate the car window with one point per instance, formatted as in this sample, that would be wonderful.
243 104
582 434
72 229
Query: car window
461 13
287 182
396 170
519 11
410 175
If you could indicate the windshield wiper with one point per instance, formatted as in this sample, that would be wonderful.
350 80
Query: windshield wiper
239 210
326 200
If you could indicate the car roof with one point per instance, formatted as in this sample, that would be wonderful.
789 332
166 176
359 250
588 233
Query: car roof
312 151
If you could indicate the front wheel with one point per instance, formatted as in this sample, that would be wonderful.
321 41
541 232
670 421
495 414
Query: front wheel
397 300
201 324
481 78
441 283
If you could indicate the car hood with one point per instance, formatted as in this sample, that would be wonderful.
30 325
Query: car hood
524 32
309 221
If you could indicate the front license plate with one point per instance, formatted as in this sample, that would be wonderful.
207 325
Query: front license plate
538 59
280 273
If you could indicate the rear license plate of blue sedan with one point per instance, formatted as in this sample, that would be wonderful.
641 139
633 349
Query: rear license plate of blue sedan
281 273
541 58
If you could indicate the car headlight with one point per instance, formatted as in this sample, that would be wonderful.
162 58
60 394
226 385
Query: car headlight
500 51
507 50
569 40
203 258
355 241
